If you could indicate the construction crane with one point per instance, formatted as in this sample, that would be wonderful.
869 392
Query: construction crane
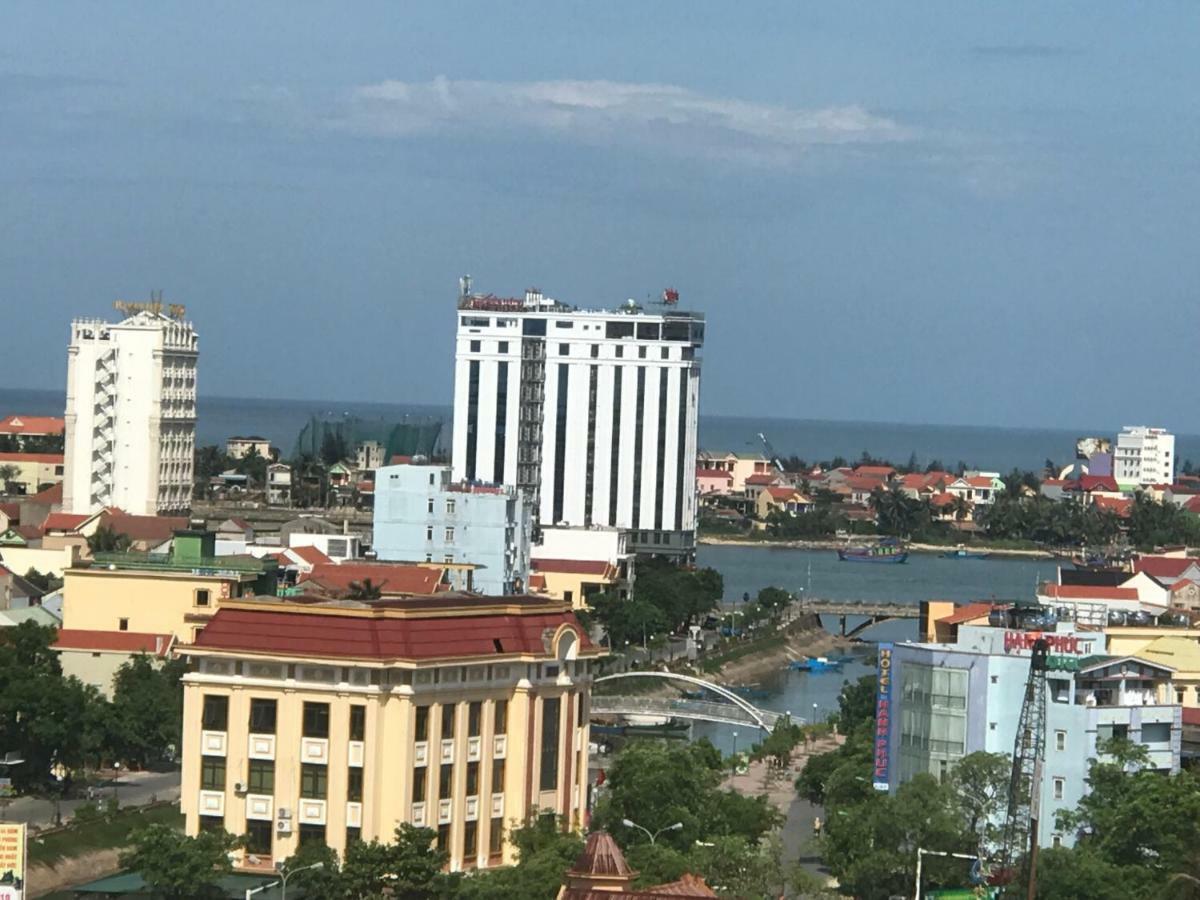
771 452
1018 852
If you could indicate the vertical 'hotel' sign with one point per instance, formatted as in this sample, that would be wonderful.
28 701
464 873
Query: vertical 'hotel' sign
883 716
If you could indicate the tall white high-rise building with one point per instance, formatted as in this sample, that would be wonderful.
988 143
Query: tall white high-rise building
592 412
131 413
1144 456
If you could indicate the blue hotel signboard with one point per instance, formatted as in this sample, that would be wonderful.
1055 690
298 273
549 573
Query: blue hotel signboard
883 716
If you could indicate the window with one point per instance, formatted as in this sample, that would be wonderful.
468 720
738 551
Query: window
212 773
641 352
502 347
470 838
620 351
449 558
314 781
564 349
1056 841
262 716
429 508
429 528
568 596
358 723
472 779
316 720
258 837
564 323
354 784
216 713
202 598
549 770
212 823
123 624
447 720
496 836
1060 740
497 776
474 346
450 507
474 711
312 834
449 535
500 717
260 778
666 352
443 838
1060 786
353 835
428 557
445 781
422 726
419 784
595 351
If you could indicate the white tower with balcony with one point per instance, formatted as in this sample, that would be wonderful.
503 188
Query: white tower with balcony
131 412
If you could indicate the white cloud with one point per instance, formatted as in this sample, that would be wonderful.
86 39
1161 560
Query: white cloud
606 113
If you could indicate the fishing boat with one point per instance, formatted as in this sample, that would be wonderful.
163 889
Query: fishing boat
882 552
750 691
961 552
815 664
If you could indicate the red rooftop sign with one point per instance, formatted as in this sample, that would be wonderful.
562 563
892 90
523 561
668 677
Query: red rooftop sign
1058 643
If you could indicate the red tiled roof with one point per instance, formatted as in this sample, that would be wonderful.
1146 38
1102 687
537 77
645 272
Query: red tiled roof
1098 483
1163 566
51 496
314 556
979 481
12 510
1193 505
967 613
762 478
1122 506
572 566
46 458
863 483
1191 715
114 641
329 635
390 578
715 473
945 498
31 425
601 856
688 885
29 532
1181 584
782 493
1087 592
875 471
537 581
1053 482
61 521
365 487
399 460
143 528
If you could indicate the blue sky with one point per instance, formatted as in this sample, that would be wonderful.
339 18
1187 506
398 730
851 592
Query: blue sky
962 213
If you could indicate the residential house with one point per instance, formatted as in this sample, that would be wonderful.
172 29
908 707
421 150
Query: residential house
1121 507
95 657
861 487
943 506
16 592
713 482
740 466
391 579
21 428
234 536
780 499
370 456
979 489
1185 595
33 472
240 447
339 546
1090 604
1168 569
279 484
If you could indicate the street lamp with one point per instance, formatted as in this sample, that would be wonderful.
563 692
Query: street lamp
282 883
629 823
116 785
815 716
735 743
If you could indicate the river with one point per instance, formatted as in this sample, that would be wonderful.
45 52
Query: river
819 573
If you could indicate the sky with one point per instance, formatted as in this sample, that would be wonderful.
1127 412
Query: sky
961 213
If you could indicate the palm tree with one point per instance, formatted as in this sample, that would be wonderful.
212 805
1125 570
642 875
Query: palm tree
8 474
960 507
105 540
365 590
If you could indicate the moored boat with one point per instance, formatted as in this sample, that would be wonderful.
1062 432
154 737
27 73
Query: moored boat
964 553
883 552
815 664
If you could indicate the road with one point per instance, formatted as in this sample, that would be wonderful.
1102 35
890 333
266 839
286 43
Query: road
132 789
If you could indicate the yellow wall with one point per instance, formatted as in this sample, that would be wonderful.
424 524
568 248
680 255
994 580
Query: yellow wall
45 560
558 583
1128 641
33 474
94 667
96 599
390 748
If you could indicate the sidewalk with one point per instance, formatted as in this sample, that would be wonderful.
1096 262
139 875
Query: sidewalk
131 789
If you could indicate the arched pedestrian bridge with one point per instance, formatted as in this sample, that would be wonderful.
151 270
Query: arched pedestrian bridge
730 709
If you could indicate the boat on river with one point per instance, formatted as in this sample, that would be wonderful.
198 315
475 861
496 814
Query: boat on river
882 552
815 664
964 553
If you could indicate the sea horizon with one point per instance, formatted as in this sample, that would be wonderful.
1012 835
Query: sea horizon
997 448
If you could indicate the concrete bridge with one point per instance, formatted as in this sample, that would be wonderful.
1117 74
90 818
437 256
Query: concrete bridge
730 708
873 612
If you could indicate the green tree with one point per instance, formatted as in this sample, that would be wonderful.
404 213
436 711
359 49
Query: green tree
254 466
147 709
773 598
47 583
545 850
8 477
980 781
106 540
324 882
364 590
177 867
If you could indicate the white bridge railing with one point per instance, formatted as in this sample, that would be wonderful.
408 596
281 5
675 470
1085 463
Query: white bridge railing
703 710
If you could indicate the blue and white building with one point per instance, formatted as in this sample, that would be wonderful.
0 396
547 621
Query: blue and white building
949 700
421 515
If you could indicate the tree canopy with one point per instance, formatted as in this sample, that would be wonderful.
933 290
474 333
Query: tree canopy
177 867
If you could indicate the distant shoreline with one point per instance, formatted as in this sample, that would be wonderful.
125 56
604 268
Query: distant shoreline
836 544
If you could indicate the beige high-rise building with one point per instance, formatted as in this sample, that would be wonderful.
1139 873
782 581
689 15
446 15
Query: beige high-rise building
335 722
131 413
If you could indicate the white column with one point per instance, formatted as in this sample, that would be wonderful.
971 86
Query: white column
602 472
485 445
625 475
462 375
649 461
670 455
575 482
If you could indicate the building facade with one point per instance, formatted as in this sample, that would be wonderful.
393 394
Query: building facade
1144 456
335 723
592 413
32 472
421 515
949 700
131 414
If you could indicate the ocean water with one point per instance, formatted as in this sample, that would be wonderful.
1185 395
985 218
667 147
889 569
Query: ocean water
988 448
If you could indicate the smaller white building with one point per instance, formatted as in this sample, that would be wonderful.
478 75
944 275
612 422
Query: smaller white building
1144 456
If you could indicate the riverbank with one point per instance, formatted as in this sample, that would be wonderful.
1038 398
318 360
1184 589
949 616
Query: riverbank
839 543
